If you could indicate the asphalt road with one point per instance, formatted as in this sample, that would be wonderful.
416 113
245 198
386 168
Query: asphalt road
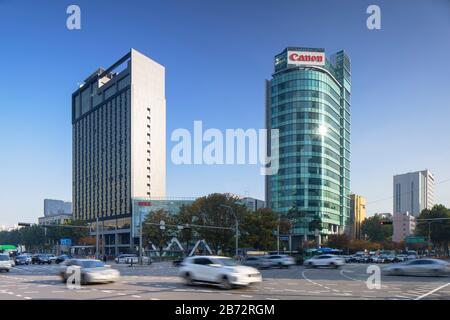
160 282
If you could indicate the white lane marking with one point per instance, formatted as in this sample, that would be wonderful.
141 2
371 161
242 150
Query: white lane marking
27 298
154 299
313 282
135 296
348 277
246 296
432 291
272 299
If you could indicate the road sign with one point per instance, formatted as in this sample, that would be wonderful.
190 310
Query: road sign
284 238
415 239
65 242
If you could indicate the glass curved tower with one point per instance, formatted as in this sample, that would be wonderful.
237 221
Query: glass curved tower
308 101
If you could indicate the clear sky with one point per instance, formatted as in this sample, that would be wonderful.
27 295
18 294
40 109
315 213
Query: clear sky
217 55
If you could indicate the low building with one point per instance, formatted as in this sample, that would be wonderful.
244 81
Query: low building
252 203
55 219
404 225
384 215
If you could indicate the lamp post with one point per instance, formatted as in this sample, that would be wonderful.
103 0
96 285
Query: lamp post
236 226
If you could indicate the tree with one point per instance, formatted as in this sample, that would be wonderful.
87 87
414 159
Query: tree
153 233
315 224
338 241
297 217
439 230
210 211
257 229
375 231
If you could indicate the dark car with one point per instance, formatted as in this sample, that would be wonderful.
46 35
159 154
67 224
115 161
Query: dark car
22 259
62 258
40 259
177 262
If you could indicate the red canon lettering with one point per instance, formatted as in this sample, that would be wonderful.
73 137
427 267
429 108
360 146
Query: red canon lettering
305 57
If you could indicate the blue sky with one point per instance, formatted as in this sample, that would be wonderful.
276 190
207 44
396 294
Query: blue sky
217 55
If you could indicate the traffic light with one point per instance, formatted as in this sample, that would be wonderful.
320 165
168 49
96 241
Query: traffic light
24 224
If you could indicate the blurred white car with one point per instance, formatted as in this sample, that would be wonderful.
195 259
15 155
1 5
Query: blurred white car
91 271
218 270
419 267
127 258
325 260
5 262
257 262
280 260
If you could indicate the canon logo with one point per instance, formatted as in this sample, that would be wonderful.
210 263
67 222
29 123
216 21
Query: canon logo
305 57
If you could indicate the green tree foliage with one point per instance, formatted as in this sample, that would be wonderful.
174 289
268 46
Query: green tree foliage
338 241
38 238
209 211
258 229
315 224
153 233
439 230
375 231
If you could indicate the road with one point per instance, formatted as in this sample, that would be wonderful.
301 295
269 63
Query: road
160 282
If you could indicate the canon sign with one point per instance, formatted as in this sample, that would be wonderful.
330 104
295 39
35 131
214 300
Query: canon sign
306 58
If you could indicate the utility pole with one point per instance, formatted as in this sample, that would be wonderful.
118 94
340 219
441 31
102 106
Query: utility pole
140 238
278 234
237 228
96 237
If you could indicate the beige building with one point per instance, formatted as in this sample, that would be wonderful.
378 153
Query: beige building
357 215
404 225
119 144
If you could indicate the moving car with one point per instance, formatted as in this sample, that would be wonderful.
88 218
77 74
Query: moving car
5 262
22 259
280 260
400 258
91 271
257 262
218 270
125 258
40 259
419 267
51 257
62 258
325 260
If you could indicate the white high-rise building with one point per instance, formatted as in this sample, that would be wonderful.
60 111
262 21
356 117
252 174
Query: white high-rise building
413 192
119 144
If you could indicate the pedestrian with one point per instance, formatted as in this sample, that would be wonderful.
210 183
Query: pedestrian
104 258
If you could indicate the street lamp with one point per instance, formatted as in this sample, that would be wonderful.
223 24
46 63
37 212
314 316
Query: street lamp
237 227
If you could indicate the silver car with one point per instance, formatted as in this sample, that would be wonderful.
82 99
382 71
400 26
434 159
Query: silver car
419 267
91 271
5 262
257 262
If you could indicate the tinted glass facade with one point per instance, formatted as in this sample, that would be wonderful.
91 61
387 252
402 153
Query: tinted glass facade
310 105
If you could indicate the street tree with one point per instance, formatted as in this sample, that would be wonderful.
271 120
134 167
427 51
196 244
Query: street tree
439 229
151 231
258 229
375 231
213 210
